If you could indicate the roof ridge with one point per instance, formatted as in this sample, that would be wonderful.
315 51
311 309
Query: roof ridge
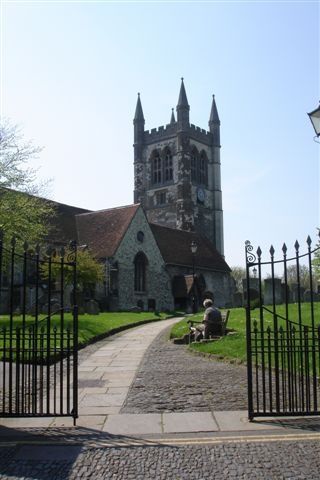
112 209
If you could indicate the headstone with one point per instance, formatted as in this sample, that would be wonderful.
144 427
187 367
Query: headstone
295 292
269 284
237 299
307 296
92 307
135 308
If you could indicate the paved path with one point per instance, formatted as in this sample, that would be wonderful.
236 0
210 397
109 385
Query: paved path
160 418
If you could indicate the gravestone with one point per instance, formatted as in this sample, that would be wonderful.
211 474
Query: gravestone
237 299
92 307
269 284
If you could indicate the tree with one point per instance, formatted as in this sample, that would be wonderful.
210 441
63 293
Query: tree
304 275
238 274
23 213
316 263
89 271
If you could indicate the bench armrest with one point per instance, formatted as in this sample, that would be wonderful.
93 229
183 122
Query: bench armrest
191 322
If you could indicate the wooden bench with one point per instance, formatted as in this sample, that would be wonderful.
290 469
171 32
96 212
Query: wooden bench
224 322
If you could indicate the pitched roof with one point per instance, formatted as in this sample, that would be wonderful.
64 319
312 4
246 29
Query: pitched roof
174 246
63 225
103 231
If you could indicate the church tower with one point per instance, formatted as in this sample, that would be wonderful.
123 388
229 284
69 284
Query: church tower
177 172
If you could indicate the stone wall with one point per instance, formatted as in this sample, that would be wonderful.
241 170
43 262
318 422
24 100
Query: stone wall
158 285
219 283
181 209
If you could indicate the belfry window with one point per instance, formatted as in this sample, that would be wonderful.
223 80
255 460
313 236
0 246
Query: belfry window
168 167
161 167
199 167
203 170
157 169
140 269
194 162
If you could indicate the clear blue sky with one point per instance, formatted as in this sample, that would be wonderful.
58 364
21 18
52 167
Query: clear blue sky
70 73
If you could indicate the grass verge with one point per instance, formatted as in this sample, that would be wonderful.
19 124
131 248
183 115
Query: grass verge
91 328
233 346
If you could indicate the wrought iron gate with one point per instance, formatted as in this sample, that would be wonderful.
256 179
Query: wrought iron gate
38 331
283 333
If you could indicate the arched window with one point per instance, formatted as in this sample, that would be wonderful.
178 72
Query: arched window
156 168
140 269
203 169
168 167
194 165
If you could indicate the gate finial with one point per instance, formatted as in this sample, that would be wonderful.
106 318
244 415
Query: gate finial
250 257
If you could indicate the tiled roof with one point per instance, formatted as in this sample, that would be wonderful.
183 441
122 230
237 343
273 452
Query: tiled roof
175 249
63 225
103 231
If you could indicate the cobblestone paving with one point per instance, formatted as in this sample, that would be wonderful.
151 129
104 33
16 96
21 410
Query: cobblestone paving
276 460
171 379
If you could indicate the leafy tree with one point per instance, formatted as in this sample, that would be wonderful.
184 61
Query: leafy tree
316 263
89 271
22 213
304 275
238 274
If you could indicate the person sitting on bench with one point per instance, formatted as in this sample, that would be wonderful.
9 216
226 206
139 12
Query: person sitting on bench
212 322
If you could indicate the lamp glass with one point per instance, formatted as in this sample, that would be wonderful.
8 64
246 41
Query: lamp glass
194 247
315 120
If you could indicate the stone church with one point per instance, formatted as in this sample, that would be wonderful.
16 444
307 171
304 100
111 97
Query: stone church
146 247
177 202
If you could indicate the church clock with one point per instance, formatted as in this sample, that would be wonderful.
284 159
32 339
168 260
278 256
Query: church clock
201 194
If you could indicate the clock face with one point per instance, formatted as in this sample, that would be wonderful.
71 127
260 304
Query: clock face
200 194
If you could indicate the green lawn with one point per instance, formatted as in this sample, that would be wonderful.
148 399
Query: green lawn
90 327
234 345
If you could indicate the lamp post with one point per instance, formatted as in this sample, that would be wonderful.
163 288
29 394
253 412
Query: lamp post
254 272
194 248
315 120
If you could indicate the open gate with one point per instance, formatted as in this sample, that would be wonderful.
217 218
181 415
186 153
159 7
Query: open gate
38 331
283 333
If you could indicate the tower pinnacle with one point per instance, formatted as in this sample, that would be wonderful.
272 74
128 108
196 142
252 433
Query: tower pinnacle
138 113
172 120
183 101
214 117
183 108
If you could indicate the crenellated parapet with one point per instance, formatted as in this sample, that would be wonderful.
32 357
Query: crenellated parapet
170 130
200 134
160 133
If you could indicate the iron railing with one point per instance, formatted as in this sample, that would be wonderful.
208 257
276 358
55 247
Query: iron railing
283 335
38 343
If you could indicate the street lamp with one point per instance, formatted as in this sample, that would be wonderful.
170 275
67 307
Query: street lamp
194 248
315 120
254 272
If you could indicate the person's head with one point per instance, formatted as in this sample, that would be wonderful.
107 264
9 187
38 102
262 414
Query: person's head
207 303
